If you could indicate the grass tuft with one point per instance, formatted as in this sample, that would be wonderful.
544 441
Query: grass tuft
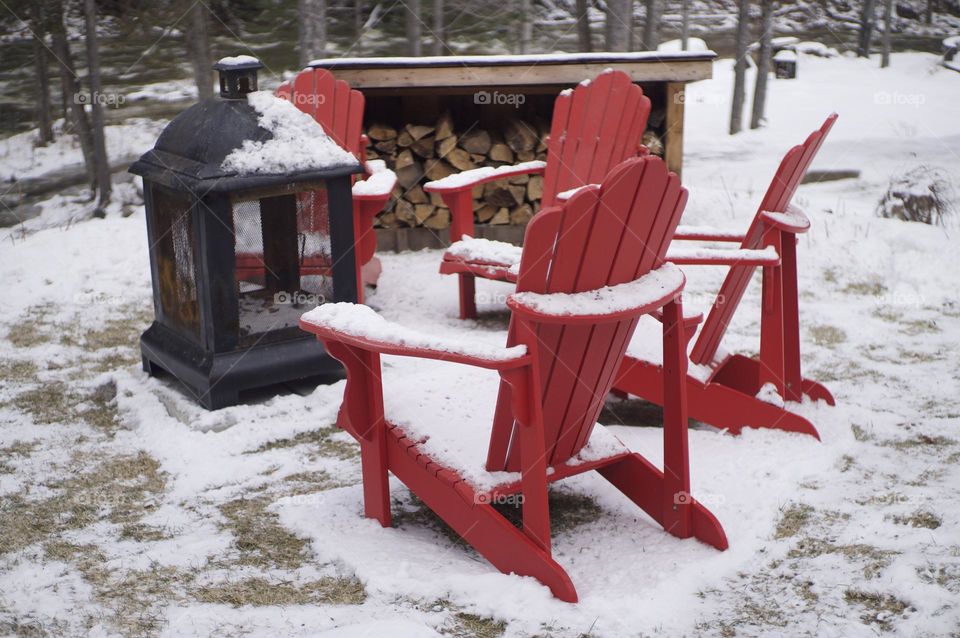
260 592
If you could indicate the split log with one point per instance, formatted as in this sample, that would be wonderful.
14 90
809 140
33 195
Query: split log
438 169
422 212
439 220
423 147
444 127
476 141
460 159
381 132
520 136
500 152
446 145
535 188
418 131
416 195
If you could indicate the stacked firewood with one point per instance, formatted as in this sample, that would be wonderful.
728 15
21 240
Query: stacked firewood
420 153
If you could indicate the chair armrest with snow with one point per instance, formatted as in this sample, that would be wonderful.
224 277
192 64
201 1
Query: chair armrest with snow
379 182
456 191
360 326
653 290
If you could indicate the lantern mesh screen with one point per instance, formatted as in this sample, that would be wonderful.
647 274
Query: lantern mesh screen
272 296
175 248
313 229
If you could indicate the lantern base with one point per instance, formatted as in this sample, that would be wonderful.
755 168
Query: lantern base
215 379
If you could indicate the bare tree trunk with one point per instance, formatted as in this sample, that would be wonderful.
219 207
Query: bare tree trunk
651 25
73 99
928 14
413 27
619 19
358 26
312 30
41 61
684 24
438 39
198 48
866 29
887 27
100 159
526 25
740 67
583 26
764 59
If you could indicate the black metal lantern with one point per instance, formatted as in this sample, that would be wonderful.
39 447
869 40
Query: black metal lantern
237 258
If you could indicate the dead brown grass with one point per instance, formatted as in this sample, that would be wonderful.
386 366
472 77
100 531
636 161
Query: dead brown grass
793 519
259 537
881 609
260 592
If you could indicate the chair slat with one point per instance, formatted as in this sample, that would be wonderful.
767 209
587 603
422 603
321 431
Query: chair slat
593 241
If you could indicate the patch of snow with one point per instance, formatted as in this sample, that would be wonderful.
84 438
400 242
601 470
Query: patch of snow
675 253
380 181
693 44
299 143
237 60
486 251
607 300
482 174
768 394
362 321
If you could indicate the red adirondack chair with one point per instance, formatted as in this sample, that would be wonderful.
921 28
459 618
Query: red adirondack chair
339 110
590 269
595 126
722 388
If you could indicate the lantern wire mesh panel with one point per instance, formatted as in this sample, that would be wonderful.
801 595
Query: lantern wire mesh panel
176 261
265 302
313 232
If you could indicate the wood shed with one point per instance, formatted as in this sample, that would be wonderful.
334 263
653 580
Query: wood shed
495 110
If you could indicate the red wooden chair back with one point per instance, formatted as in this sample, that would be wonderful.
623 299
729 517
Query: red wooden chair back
339 110
778 196
332 103
595 127
601 237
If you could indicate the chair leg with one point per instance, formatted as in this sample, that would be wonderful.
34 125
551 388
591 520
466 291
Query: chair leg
468 296
376 481
494 537
643 484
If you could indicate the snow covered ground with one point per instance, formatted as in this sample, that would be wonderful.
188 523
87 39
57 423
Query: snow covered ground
128 510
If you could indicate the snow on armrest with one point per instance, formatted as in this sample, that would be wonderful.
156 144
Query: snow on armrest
469 179
722 256
610 303
565 195
380 183
363 327
485 251
793 220
707 233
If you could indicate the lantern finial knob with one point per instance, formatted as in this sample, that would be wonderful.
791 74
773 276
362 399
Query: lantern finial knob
238 76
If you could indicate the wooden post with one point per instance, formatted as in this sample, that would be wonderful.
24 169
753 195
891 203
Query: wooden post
673 145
